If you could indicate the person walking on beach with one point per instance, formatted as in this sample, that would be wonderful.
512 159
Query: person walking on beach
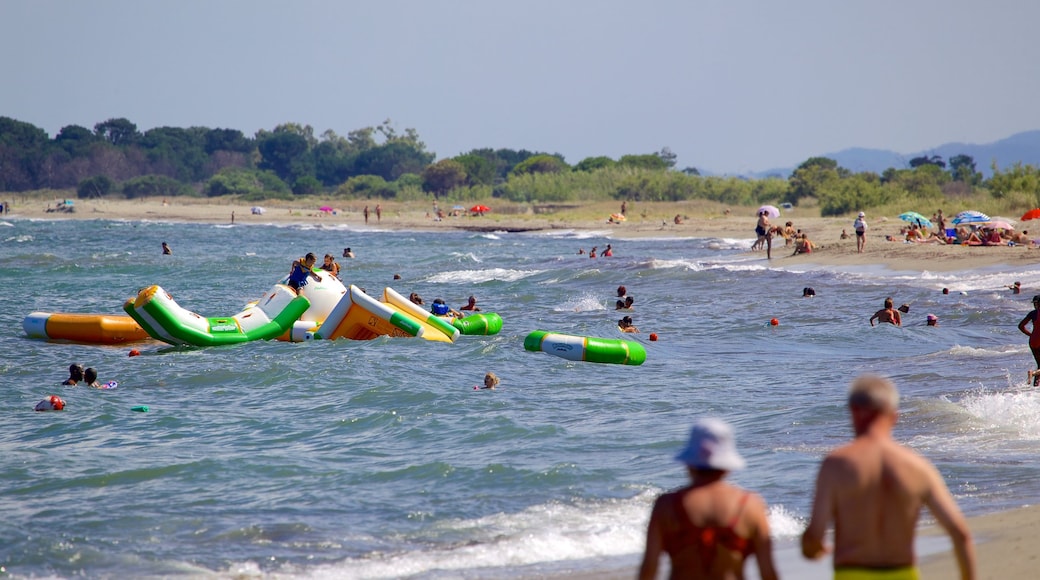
379 213
365 212
709 528
873 489
860 225
887 314
1034 338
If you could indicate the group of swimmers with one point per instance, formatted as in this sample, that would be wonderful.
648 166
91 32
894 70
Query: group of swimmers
894 316
625 302
78 374
607 252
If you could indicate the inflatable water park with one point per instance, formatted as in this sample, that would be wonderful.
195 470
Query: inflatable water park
323 309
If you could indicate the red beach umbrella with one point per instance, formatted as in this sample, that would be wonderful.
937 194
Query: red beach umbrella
1032 214
480 209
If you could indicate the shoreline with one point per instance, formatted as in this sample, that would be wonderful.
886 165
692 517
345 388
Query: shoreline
653 220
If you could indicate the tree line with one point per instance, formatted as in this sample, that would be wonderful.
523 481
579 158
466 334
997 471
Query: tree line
115 158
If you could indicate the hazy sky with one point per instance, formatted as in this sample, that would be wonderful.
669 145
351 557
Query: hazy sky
729 86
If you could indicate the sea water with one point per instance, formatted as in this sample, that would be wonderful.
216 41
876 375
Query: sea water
379 459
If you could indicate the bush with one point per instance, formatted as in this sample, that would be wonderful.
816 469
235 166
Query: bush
95 187
155 185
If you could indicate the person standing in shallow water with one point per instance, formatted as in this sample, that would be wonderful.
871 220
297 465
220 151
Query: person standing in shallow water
709 528
1029 327
873 490
887 314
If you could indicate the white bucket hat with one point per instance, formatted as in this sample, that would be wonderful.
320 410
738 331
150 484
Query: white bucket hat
861 214
711 446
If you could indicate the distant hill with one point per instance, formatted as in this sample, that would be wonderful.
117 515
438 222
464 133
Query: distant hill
1024 147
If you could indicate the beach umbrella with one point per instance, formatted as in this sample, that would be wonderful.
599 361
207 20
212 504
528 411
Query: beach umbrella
970 217
480 209
916 218
257 210
325 208
459 207
1000 224
1032 214
770 210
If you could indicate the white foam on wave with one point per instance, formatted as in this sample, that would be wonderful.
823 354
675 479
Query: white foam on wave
553 532
8 224
973 352
574 234
585 303
20 239
478 276
539 535
1013 413
466 256
492 236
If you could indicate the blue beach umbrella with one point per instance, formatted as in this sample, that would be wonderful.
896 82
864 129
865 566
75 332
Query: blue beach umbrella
916 218
970 217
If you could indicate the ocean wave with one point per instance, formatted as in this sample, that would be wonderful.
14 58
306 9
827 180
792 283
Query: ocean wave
478 276
585 303
982 352
552 532
1016 413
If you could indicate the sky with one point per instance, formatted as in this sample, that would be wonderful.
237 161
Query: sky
729 86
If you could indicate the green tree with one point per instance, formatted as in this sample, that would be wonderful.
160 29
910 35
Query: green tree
652 161
962 169
594 163
95 187
935 160
479 170
228 140
812 177
367 186
154 185
667 156
75 140
392 159
443 176
179 153
119 132
540 164
284 153
307 185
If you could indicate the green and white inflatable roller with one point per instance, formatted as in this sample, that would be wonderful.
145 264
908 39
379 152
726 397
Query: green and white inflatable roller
480 323
586 348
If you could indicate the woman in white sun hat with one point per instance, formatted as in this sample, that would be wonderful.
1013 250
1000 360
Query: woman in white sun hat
709 528
860 226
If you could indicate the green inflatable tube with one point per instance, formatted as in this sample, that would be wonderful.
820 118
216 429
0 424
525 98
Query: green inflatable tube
586 348
481 323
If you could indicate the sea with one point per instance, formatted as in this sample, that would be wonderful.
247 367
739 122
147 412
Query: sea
380 459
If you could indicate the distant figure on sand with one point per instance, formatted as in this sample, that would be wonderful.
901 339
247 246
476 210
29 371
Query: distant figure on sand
379 213
301 270
873 490
364 212
1034 338
860 225
166 249
887 314
709 528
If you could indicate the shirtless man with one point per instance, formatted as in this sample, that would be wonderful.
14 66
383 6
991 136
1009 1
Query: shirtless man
887 314
765 237
873 490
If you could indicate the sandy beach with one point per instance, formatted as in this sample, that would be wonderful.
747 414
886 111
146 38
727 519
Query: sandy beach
1003 539
644 220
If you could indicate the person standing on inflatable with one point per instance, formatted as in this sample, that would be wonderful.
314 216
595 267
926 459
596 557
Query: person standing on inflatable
860 226
301 270
1034 338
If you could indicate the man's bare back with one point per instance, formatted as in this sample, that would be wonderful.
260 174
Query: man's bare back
873 489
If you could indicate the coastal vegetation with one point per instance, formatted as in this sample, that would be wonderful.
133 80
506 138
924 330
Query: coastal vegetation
115 159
